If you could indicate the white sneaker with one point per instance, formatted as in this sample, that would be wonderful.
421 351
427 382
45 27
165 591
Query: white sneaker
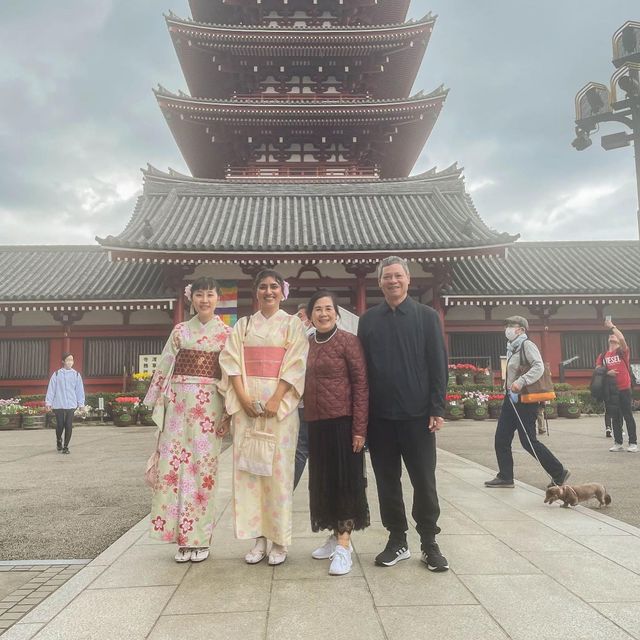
633 448
341 563
327 550
617 447
183 555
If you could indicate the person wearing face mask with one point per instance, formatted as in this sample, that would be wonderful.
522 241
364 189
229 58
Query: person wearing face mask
520 351
616 360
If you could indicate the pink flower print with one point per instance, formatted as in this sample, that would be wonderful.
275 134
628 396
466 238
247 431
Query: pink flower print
187 486
167 536
193 468
202 444
185 456
171 478
197 413
207 482
206 425
172 510
172 396
158 523
201 498
175 462
186 525
180 407
174 425
203 396
165 450
182 540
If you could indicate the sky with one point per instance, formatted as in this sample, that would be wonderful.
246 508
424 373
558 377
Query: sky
78 118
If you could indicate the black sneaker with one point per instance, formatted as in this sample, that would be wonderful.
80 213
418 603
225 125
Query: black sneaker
432 557
499 483
558 482
393 553
59 446
66 450
608 433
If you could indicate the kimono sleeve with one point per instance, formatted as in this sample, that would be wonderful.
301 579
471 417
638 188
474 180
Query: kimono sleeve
231 365
163 372
294 365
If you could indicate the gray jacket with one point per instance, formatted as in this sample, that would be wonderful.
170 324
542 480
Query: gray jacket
533 357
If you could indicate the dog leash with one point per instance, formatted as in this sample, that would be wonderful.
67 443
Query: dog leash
535 455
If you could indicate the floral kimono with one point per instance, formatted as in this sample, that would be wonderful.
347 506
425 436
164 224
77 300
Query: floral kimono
264 351
187 409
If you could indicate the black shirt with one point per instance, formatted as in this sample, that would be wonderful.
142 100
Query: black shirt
406 360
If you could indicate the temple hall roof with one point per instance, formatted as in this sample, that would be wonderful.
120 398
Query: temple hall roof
56 277
427 215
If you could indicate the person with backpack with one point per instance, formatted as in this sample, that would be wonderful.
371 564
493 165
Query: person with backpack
521 353
65 394
616 361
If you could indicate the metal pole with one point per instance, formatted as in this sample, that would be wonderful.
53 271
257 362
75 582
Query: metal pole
635 129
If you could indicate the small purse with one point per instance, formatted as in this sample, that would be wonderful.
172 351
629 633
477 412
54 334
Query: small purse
151 470
257 451
539 391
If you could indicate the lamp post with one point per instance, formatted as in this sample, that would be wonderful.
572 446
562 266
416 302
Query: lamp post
596 103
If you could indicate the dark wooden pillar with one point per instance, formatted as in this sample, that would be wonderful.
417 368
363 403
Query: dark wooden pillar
67 318
360 271
174 276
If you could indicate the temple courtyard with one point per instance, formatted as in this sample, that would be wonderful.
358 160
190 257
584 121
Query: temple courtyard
77 561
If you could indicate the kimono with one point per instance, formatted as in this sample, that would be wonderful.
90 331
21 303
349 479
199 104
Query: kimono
264 351
188 410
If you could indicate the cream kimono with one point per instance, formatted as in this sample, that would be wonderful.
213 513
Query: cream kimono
263 505
187 410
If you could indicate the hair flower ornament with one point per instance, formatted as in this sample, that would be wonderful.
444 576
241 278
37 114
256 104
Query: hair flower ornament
285 289
187 292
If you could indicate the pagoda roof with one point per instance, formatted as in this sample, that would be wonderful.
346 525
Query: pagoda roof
549 273
375 11
411 120
426 217
52 278
396 49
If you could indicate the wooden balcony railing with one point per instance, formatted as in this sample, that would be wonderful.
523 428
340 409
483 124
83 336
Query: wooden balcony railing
302 170
299 97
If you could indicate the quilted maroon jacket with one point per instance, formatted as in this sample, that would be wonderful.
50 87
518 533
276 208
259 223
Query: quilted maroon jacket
336 381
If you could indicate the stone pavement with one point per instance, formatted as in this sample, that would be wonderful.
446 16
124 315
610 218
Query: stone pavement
519 569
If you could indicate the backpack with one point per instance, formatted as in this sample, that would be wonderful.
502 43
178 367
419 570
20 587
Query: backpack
597 387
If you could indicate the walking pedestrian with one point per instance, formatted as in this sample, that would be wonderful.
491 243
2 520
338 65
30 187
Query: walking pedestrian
520 351
407 369
65 394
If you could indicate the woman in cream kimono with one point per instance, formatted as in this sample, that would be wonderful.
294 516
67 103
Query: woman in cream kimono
264 360
189 411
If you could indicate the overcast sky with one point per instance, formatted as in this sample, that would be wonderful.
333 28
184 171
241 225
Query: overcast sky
78 118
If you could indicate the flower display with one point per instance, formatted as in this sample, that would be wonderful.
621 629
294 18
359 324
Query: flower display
143 376
10 407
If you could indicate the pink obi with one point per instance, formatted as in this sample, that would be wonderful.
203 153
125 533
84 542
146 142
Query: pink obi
263 362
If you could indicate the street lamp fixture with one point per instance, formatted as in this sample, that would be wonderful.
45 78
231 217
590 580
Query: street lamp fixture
597 103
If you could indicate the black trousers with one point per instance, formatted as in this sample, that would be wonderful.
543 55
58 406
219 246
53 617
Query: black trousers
508 424
302 449
64 423
391 442
624 412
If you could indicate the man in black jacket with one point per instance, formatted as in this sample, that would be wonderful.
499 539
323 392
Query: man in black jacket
407 369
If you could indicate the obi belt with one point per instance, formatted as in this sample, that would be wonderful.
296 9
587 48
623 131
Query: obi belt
263 362
201 364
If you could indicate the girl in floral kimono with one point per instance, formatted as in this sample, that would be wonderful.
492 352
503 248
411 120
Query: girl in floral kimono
264 361
189 411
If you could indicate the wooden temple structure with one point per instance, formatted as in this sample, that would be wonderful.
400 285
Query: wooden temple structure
300 131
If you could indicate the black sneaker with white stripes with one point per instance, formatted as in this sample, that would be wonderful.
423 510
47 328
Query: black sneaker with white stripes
433 558
393 553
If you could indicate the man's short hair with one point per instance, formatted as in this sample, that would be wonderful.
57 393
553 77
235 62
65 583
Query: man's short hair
302 305
388 261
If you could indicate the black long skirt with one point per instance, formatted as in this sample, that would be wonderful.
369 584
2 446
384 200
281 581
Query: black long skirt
337 478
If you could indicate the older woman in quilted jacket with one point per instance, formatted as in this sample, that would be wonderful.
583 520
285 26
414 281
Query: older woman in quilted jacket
336 401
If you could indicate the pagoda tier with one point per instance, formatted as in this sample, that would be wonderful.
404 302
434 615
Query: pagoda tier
282 138
220 61
309 13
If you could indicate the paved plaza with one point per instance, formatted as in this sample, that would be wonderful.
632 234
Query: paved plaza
519 569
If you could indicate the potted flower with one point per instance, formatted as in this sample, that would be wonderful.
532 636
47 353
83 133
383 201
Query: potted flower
452 376
495 405
476 405
568 406
10 410
34 414
145 414
141 382
84 412
483 376
465 373
124 410
454 410
551 409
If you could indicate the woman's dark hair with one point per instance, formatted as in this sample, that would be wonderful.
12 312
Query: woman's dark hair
268 273
65 355
204 283
322 293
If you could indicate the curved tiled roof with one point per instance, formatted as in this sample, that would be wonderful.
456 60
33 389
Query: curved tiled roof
50 274
552 268
427 213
